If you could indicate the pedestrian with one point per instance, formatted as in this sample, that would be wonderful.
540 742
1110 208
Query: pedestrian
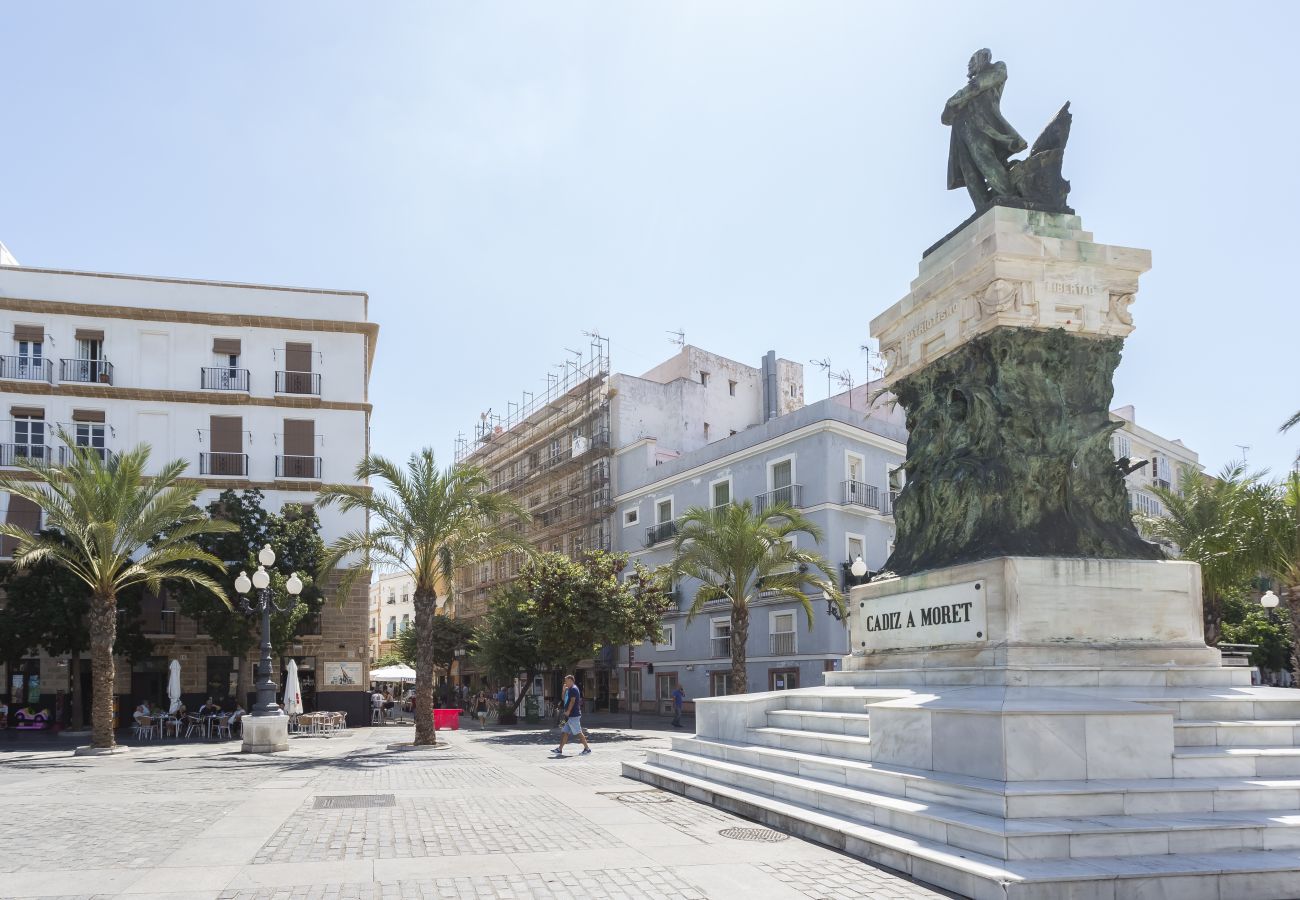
679 697
481 709
571 717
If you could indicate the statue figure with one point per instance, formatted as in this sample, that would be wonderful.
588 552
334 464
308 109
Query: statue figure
982 140
982 143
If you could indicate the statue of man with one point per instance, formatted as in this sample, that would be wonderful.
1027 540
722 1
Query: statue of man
981 139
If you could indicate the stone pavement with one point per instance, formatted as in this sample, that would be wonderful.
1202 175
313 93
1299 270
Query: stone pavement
490 816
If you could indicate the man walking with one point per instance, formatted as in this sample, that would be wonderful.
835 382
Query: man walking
679 697
571 717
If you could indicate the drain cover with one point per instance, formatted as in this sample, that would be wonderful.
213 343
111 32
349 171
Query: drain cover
766 835
644 797
355 801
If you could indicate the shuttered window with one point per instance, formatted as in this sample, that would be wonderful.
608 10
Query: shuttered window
227 434
23 513
34 334
297 357
299 437
227 346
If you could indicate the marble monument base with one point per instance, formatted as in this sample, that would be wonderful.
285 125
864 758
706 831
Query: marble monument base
1022 727
265 734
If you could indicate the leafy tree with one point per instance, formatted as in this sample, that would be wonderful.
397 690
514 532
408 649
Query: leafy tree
110 516
1246 622
294 535
559 611
424 521
449 636
1220 523
47 607
1284 540
735 552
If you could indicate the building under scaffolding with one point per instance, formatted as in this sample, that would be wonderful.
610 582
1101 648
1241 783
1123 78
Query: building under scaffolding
550 451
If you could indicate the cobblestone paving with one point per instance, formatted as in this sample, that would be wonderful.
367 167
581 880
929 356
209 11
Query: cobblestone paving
649 883
422 826
62 828
686 815
845 878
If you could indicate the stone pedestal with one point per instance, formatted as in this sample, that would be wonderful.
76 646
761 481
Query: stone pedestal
265 734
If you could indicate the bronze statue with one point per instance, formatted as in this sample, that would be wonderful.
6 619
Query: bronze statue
982 143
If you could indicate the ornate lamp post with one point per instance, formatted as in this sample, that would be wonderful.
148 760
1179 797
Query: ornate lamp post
1269 602
857 569
266 730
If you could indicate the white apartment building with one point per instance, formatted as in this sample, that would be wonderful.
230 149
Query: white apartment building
1167 461
253 386
392 611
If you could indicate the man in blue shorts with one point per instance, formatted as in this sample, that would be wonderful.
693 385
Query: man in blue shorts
571 721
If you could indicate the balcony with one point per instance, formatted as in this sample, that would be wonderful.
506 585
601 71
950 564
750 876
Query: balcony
86 371
782 643
720 647
105 455
298 467
657 534
297 383
223 464
11 454
223 379
26 368
790 493
309 625
158 621
859 493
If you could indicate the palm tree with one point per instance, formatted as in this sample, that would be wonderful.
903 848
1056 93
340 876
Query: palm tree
426 522
1220 523
736 552
120 529
1290 423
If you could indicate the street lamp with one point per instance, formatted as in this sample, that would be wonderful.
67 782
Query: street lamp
1269 602
267 728
859 568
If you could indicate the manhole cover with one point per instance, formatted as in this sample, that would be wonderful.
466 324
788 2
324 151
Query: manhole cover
644 797
355 801
766 835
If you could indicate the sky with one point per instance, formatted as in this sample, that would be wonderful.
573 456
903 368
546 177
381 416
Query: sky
501 177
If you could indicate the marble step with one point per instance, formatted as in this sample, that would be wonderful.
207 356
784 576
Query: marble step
1270 704
845 701
1250 732
808 720
1243 875
1046 676
1017 799
838 745
1245 762
1035 838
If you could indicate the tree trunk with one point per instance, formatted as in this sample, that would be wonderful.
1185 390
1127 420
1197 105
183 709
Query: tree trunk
425 609
739 637
74 689
103 632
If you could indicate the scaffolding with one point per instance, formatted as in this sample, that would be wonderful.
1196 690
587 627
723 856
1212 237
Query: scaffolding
550 451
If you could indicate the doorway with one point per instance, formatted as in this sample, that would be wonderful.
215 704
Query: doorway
634 689
782 679
667 684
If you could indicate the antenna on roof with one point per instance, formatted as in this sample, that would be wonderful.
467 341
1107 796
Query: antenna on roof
678 338
875 363
825 365
1244 448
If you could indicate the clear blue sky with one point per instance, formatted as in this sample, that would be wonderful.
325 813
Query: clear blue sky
502 176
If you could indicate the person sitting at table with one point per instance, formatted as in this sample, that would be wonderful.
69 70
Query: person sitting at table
142 711
235 716
209 708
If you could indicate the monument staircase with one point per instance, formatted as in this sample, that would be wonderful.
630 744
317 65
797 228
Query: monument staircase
1226 824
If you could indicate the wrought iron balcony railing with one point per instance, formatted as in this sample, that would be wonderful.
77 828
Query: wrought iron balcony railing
86 371
782 643
298 467
26 368
33 453
720 647
297 383
790 493
223 464
657 534
859 493
222 378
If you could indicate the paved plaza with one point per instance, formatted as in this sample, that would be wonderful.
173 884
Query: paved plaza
489 816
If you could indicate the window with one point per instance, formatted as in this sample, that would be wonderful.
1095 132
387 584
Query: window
1121 445
781 634
706 431
731 388
29 432
631 517
90 434
406 598
855 545
664 511
719 684
667 638
792 391
720 637
31 362
721 492
406 621
704 378
1145 504
392 627
392 597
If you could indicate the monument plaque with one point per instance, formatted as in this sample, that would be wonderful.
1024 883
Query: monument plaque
935 617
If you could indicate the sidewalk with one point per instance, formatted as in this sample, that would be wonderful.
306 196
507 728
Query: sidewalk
491 815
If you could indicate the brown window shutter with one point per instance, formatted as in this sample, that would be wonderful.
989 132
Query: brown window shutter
227 434
89 334
27 412
299 437
34 333
227 346
88 415
23 513
297 357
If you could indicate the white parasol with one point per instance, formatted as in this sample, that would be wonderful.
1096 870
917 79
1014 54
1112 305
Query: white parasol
292 692
174 686
398 672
